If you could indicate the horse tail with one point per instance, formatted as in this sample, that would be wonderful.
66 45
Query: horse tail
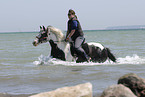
110 55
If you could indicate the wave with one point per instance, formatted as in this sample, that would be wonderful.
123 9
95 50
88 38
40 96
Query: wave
135 59
46 60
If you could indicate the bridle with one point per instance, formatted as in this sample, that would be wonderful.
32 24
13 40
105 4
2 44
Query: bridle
46 38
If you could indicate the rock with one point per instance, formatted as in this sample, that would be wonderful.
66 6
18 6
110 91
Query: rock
117 91
10 95
82 90
135 83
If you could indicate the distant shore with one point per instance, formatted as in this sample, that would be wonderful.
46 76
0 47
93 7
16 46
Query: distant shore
83 30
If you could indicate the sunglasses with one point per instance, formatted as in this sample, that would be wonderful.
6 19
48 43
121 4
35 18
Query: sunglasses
69 14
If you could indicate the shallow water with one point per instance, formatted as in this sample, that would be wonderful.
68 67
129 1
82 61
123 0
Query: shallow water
25 69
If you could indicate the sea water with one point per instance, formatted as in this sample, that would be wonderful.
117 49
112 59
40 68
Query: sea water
25 69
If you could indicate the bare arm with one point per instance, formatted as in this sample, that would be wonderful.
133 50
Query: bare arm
69 35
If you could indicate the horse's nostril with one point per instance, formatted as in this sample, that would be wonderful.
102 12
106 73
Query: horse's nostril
34 43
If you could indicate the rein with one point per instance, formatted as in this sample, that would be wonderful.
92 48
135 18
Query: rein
63 41
50 38
48 32
59 41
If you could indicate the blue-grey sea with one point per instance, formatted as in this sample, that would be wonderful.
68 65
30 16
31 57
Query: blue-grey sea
21 73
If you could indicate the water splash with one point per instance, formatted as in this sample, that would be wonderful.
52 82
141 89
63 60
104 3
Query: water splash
46 60
42 60
135 59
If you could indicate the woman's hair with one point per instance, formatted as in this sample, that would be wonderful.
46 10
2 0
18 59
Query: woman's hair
72 12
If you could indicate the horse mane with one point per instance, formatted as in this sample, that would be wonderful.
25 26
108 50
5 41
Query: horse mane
57 32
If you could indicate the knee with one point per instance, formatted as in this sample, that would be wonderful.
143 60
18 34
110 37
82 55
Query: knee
77 48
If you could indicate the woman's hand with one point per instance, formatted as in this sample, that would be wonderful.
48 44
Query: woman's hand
68 39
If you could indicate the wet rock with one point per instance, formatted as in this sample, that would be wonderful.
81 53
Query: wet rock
82 90
135 83
10 95
117 91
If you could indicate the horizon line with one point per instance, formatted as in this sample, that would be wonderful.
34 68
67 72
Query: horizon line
65 30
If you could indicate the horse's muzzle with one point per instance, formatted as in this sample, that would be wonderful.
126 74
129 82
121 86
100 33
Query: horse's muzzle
34 43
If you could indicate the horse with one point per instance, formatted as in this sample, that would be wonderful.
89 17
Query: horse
96 51
44 36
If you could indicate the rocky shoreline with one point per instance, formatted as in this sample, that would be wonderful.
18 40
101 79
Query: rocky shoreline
129 85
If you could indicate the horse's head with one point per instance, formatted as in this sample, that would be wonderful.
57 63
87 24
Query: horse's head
49 33
42 37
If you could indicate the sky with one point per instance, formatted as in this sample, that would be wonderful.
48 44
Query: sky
28 15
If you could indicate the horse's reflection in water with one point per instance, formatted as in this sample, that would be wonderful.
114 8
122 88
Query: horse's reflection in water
96 51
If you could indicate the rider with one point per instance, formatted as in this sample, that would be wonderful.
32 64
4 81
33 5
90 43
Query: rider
75 34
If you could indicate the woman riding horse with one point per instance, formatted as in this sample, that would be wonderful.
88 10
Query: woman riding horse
75 35
59 48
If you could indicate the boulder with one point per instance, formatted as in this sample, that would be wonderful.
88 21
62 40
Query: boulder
82 90
117 91
10 95
135 83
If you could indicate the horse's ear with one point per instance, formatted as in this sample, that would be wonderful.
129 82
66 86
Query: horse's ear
40 27
43 28
47 30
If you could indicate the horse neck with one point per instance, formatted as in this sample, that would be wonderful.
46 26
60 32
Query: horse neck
57 32
52 44
59 36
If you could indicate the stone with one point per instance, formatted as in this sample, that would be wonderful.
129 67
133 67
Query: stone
81 90
117 91
135 83
10 95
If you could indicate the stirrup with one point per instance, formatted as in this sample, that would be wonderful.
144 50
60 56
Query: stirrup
74 59
89 59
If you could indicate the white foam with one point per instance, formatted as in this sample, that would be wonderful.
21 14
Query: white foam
135 59
45 60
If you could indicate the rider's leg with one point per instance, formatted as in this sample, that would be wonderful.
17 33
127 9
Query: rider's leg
72 49
79 49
